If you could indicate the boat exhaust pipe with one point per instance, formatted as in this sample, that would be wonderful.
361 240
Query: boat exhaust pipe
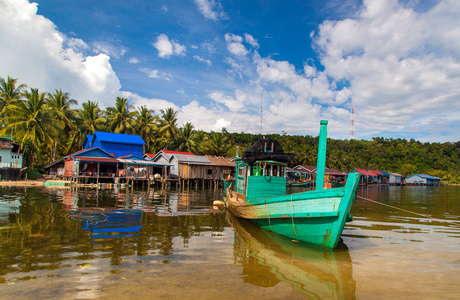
321 161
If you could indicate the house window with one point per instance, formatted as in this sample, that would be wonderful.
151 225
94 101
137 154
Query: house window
0 159
209 171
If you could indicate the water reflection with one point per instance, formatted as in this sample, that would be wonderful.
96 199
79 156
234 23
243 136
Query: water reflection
45 230
268 259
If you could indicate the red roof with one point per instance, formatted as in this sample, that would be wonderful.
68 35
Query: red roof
177 152
366 172
150 155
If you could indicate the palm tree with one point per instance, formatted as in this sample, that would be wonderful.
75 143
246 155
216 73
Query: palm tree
187 135
60 103
216 144
33 121
168 126
121 118
9 91
91 118
146 126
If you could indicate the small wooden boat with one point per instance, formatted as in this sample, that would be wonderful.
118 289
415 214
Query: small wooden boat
298 183
259 195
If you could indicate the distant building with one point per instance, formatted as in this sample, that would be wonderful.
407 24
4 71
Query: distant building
10 159
423 179
117 144
172 158
396 179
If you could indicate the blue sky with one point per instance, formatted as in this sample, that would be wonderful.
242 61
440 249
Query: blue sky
396 62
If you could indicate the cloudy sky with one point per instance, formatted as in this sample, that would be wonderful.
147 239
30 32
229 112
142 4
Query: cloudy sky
397 63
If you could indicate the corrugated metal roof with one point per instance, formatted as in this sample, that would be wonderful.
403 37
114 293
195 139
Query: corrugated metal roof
334 172
119 138
305 167
365 172
385 173
192 159
396 174
79 153
221 161
426 176
139 162
96 159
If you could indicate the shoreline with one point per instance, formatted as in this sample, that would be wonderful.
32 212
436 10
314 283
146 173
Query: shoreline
22 183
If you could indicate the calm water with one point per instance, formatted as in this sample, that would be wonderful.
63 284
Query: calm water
92 244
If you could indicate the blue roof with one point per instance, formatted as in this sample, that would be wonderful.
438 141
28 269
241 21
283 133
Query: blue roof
426 176
119 138
385 173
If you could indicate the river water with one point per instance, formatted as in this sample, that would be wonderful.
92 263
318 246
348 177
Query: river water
62 243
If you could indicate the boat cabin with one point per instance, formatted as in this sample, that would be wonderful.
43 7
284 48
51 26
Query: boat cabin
261 172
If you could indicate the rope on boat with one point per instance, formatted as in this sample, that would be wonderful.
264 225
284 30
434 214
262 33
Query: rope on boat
293 225
408 211
268 213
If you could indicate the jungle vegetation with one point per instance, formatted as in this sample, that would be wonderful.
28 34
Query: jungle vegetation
50 125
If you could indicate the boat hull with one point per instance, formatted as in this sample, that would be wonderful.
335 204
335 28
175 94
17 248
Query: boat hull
315 217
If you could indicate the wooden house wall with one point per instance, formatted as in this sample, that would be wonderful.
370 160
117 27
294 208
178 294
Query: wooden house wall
187 171
70 168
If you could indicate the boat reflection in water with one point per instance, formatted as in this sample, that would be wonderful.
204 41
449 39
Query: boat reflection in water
109 223
267 259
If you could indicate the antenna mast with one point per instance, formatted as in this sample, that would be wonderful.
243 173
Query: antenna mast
261 114
352 133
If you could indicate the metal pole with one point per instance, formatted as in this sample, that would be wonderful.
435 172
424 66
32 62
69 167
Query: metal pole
321 162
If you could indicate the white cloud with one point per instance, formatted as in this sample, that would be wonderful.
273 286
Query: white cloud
210 9
134 60
238 103
157 74
164 8
109 49
167 48
34 51
237 49
150 103
206 61
230 37
234 44
403 67
251 40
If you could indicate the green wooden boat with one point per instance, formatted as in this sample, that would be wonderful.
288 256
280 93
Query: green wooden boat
259 195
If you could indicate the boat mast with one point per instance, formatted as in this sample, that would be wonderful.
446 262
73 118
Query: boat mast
321 161
261 115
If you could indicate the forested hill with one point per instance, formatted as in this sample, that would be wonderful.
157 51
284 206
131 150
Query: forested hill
389 155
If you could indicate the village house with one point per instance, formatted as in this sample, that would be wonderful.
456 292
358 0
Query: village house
423 179
396 179
117 144
10 159
171 158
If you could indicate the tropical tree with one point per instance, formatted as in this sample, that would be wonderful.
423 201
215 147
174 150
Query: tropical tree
33 121
216 144
146 126
120 119
60 102
91 118
168 127
9 91
186 139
